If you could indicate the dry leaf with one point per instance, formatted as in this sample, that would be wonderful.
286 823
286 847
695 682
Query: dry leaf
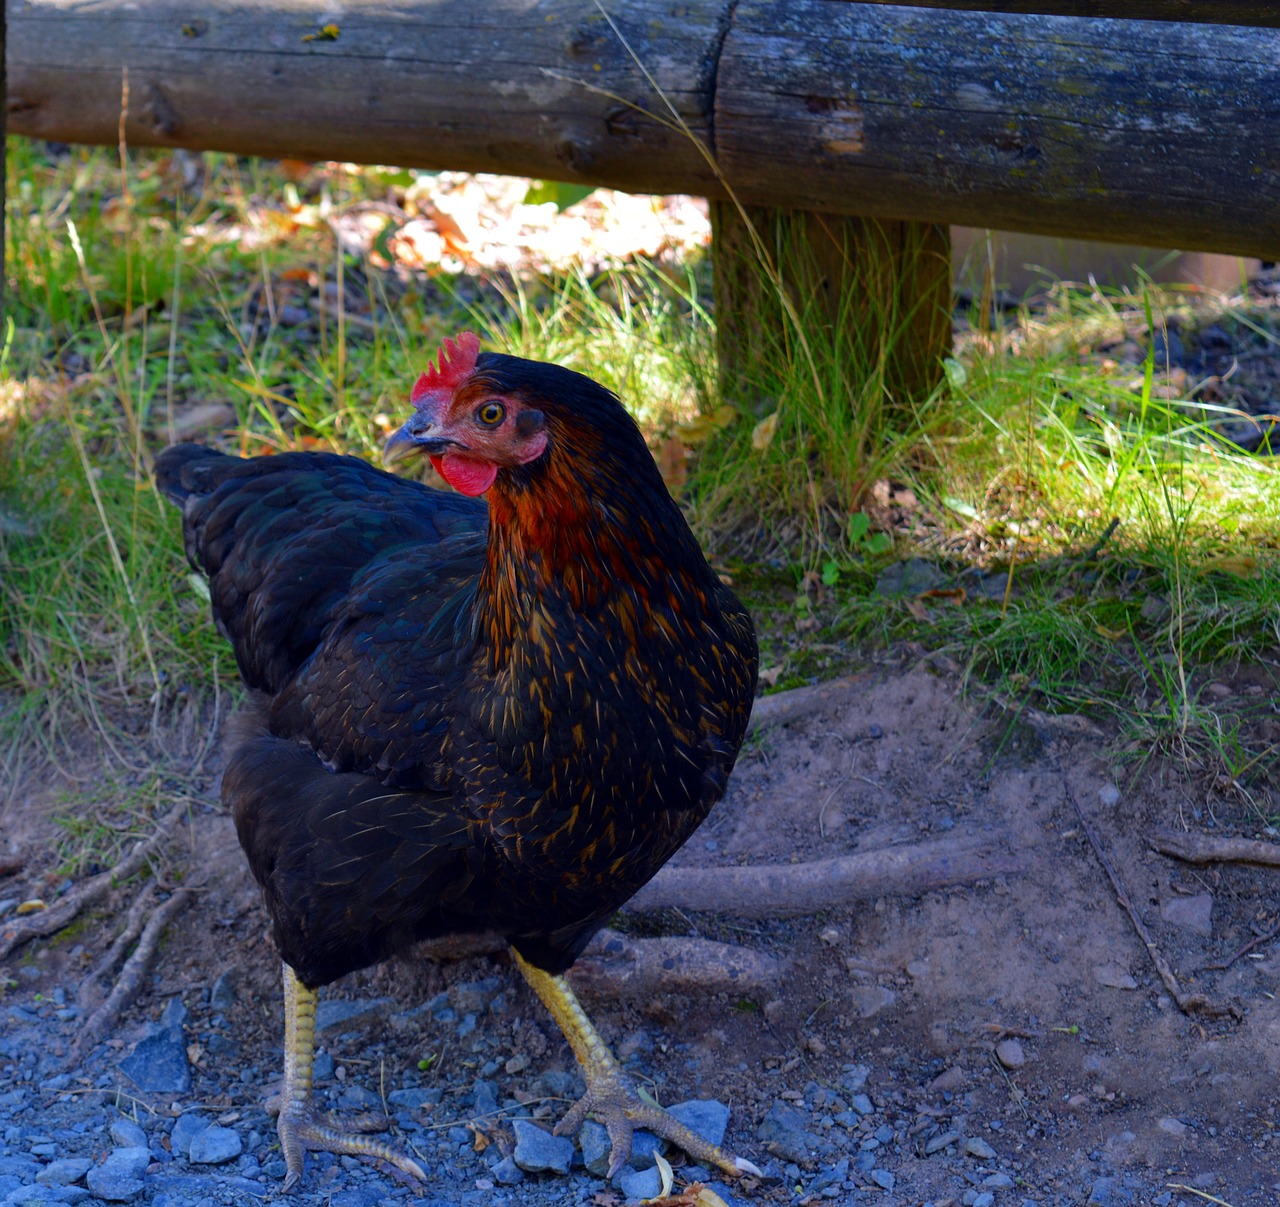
1110 634
34 906
951 595
701 428
1239 564
762 435
916 608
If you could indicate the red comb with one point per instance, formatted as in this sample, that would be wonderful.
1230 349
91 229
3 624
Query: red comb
457 362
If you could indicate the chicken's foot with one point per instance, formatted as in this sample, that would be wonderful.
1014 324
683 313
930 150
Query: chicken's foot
300 1126
610 1095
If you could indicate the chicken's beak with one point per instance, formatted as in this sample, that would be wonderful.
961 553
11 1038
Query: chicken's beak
415 438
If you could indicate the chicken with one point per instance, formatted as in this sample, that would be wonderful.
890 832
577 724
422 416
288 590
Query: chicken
470 718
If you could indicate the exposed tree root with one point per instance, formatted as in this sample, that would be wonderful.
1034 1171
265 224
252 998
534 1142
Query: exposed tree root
52 920
1206 848
93 987
615 965
131 975
1188 1003
774 890
784 707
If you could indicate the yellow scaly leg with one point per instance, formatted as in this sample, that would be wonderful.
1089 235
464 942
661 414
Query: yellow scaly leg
610 1095
299 1127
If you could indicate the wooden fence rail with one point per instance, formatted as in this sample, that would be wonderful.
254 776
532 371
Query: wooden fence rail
1163 132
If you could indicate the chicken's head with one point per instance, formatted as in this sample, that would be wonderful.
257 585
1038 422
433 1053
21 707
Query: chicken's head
468 429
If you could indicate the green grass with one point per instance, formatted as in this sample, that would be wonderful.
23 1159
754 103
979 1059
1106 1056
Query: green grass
1006 480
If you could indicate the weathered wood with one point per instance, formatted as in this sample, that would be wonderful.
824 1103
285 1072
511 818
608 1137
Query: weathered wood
1157 133
880 288
496 87
1208 12
1152 132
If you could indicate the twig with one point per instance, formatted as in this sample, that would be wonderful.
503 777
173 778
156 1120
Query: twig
90 988
1188 1003
131 976
49 921
1202 849
773 890
1248 947
1092 552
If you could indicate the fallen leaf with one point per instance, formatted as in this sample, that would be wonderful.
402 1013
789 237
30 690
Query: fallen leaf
34 906
951 595
1242 565
762 434
917 609
701 428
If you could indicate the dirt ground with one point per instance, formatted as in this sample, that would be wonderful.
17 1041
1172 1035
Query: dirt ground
1102 1090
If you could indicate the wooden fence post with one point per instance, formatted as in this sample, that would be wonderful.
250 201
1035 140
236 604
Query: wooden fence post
884 286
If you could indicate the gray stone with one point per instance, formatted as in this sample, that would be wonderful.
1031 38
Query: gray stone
343 1016
538 1151
882 1178
127 1134
911 577
1109 795
413 1099
158 1065
596 1149
784 1131
215 1146
869 1000
645 1146
223 994
985 1199
64 1172
131 1161
185 1129
639 1183
174 1017
119 1178
1010 1054
979 1148
997 1181
704 1117
40 1195
485 1094
1191 913
507 1172
941 1141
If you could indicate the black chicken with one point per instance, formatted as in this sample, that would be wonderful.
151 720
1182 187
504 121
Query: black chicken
471 718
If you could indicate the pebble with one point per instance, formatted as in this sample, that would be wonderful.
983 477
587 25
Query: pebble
1192 913
64 1172
334 1015
127 1134
507 1172
1109 794
538 1151
979 1148
1114 976
215 1146
158 1065
639 1183
119 1178
223 994
784 1130
704 1117
1175 1127
185 1129
596 1149
1010 1054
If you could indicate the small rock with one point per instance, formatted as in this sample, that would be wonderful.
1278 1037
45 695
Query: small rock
1192 913
979 1148
64 1172
223 994
1010 1054
158 1065
997 1181
949 1080
334 1015
1175 1127
703 1116
119 1178
185 1129
215 1146
639 1183
1109 795
507 1172
939 1142
538 1151
783 1130
882 1178
869 1000
596 1149
1114 976
127 1134
644 1147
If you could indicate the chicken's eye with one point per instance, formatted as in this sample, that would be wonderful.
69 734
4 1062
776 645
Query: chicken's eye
491 414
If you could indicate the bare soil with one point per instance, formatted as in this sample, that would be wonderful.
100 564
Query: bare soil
1103 1089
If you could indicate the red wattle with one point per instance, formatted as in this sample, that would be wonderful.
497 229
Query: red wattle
467 475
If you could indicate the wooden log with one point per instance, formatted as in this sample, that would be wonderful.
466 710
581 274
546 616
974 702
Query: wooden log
877 290
1153 132
540 90
1209 12
1150 132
